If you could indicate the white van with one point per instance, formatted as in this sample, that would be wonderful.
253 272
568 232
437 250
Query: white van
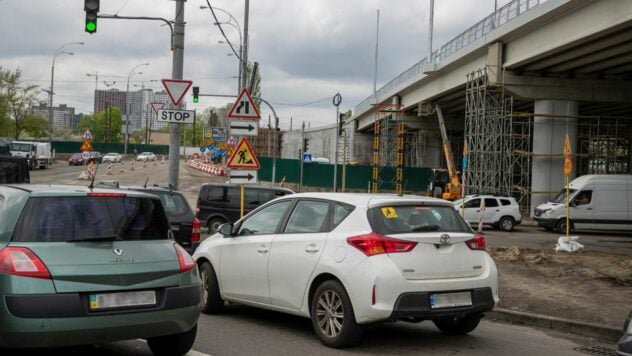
598 202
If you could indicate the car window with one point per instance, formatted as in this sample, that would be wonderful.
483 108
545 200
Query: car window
505 202
341 211
474 203
251 197
583 198
307 216
265 221
59 219
491 202
175 205
233 195
215 194
399 219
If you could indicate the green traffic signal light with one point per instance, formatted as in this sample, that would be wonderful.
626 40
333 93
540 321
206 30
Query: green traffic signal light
91 27
196 100
196 93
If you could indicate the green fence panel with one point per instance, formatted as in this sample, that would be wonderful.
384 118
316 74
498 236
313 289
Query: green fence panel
74 146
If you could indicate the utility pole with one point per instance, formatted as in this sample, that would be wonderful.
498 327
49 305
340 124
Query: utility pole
176 73
244 61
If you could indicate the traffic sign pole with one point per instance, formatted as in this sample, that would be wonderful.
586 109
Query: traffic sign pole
176 73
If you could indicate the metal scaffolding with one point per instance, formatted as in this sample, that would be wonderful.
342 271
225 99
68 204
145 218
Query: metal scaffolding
488 122
388 148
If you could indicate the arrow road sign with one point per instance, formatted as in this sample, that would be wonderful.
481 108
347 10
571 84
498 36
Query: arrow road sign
244 127
243 176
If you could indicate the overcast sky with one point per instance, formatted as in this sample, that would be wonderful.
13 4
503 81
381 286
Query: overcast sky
307 49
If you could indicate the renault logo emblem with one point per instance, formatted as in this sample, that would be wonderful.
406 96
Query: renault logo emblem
445 239
117 251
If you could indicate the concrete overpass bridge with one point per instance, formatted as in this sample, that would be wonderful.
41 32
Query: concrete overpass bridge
513 85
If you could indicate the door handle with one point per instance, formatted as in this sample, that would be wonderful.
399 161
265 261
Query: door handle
497 209
311 248
263 249
588 208
478 211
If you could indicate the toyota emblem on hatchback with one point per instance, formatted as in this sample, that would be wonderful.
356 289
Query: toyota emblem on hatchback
117 251
445 239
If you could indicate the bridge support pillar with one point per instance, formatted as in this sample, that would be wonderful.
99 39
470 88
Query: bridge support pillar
557 118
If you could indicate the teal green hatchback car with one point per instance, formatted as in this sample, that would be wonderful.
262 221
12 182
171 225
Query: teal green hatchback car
91 266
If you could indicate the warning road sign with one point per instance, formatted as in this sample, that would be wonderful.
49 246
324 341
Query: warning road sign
86 146
243 157
155 106
567 146
244 107
568 166
176 89
87 135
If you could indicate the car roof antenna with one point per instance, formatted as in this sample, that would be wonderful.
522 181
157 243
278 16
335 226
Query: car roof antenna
91 186
147 180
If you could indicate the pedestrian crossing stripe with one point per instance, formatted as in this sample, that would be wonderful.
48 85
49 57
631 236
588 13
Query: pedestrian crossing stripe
243 157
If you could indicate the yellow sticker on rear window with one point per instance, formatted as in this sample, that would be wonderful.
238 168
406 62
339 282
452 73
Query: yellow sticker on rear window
389 213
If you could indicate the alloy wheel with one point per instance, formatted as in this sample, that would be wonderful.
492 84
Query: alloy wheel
330 313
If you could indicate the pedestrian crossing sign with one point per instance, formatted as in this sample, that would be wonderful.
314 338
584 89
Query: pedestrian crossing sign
243 157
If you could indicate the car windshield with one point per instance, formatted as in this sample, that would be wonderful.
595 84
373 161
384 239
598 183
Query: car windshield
175 205
59 219
560 198
20 147
404 219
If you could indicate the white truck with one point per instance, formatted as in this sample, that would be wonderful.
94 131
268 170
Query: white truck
38 154
597 202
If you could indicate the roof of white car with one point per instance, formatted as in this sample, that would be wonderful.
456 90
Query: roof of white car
369 199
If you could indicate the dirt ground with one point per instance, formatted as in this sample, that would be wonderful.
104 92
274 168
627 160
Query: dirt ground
593 287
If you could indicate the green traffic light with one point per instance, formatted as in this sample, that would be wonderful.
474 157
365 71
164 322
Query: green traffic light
91 26
196 100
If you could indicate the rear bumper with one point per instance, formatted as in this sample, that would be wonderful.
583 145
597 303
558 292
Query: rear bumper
49 320
417 305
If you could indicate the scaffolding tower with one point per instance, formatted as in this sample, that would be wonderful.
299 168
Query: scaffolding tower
388 148
488 120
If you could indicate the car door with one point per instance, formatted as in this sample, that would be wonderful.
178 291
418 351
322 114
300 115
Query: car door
491 211
243 266
296 251
472 210
582 212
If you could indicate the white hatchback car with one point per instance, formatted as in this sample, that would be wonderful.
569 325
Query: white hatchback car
146 156
348 260
501 212
112 157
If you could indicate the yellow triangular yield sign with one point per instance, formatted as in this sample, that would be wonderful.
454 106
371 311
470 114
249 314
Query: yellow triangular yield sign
243 156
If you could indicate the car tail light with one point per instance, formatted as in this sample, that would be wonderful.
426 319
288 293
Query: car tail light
195 231
21 261
187 262
477 243
375 244
107 195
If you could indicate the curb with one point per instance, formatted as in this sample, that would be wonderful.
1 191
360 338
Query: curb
549 322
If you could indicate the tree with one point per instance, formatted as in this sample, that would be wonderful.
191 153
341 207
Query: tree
35 126
16 99
106 125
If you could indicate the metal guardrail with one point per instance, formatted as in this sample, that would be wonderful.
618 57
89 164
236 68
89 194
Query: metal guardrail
498 18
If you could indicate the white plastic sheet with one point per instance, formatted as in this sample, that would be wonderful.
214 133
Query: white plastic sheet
568 244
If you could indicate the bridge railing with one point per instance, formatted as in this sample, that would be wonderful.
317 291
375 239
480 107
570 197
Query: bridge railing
498 18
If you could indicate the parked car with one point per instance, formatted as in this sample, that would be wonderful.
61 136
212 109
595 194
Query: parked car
182 220
90 266
112 157
77 159
597 202
624 346
146 156
501 212
14 170
351 260
221 203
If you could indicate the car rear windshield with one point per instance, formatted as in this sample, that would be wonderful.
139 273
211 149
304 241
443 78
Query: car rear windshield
175 205
58 219
404 219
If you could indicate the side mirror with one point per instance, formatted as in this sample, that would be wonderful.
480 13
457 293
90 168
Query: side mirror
226 230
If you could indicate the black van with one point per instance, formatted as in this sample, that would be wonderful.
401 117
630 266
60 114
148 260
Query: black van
220 203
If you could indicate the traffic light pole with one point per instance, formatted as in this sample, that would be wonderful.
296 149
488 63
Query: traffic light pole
276 125
176 73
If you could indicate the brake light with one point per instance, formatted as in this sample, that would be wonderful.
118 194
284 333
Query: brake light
477 243
187 262
375 244
107 195
21 261
195 230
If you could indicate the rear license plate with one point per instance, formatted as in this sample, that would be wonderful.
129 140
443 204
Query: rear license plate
448 300
122 300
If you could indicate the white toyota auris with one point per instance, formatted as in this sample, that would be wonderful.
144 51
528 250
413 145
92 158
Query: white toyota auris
346 260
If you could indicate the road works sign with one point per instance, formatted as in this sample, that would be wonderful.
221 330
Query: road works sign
244 107
243 157
176 89
176 116
244 127
243 176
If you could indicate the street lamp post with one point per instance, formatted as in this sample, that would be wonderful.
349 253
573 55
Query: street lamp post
127 106
52 82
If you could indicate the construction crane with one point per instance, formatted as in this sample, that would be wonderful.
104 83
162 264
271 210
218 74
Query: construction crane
452 189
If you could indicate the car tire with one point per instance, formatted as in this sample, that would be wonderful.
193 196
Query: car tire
458 326
506 223
212 299
173 345
214 224
561 226
335 328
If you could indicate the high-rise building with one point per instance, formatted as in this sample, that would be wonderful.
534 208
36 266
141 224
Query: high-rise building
109 98
63 115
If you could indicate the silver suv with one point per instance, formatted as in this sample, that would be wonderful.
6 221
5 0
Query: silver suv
500 212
